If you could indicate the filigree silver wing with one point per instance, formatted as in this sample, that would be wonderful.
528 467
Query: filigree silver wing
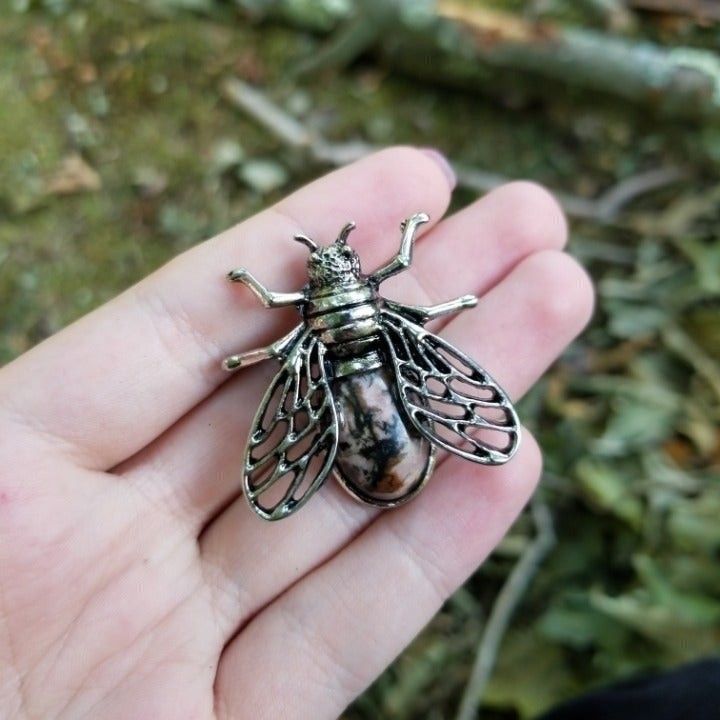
449 398
294 436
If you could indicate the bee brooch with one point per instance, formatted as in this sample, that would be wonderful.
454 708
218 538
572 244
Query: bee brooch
364 391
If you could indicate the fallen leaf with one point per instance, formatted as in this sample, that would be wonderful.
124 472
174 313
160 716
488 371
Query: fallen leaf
73 176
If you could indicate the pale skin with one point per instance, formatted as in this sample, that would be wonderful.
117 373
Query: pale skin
135 583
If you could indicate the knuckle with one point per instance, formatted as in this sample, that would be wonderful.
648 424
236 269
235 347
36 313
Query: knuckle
174 327
419 563
536 217
330 670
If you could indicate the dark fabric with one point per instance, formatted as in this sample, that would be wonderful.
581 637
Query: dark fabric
691 692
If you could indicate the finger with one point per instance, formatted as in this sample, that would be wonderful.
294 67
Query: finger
112 382
320 644
516 331
468 252
472 250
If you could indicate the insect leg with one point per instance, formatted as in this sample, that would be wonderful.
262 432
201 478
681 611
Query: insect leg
278 350
267 297
421 314
404 257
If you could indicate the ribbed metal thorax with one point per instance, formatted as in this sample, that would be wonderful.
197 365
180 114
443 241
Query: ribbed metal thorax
346 321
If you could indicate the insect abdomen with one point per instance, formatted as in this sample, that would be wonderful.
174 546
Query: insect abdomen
381 457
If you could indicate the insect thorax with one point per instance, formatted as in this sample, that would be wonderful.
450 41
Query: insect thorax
345 319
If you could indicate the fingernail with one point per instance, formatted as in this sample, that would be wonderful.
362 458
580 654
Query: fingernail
443 163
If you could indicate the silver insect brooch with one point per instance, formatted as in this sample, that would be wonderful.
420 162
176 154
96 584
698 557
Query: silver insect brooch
364 391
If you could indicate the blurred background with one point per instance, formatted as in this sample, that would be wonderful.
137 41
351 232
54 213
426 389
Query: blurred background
131 130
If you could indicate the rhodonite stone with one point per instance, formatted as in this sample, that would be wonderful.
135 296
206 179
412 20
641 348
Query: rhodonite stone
380 454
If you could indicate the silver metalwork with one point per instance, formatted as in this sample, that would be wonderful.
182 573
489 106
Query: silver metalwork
364 391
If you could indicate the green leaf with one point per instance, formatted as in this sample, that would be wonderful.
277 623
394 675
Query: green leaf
608 490
685 623
629 320
695 524
531 675
634 426
572 621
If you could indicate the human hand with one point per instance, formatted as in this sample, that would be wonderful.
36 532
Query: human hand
136 584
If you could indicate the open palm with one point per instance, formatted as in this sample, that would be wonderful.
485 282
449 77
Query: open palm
135 583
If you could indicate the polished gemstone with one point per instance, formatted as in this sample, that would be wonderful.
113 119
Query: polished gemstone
380 454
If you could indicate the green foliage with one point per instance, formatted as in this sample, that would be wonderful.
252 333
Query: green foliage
628 418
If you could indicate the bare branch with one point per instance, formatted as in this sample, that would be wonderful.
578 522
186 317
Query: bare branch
462 41
701 10
503 609
604 209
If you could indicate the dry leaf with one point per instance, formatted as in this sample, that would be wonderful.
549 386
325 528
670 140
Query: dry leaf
73 176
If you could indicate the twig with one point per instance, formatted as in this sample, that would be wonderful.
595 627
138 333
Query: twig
702 10
505 605
686 348
287 129
614 12
611 202
258 106
604 209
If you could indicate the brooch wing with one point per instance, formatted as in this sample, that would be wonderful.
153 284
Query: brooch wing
449 398
294 436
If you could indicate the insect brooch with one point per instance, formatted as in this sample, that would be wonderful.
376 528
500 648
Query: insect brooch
364 391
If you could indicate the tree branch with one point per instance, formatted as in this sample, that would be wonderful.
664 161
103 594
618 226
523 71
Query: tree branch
460 42
604 209
503 609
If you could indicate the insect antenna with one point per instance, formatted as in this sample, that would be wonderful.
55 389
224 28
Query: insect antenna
343 236
305 240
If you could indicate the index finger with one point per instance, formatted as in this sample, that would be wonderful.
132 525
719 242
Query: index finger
112 382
